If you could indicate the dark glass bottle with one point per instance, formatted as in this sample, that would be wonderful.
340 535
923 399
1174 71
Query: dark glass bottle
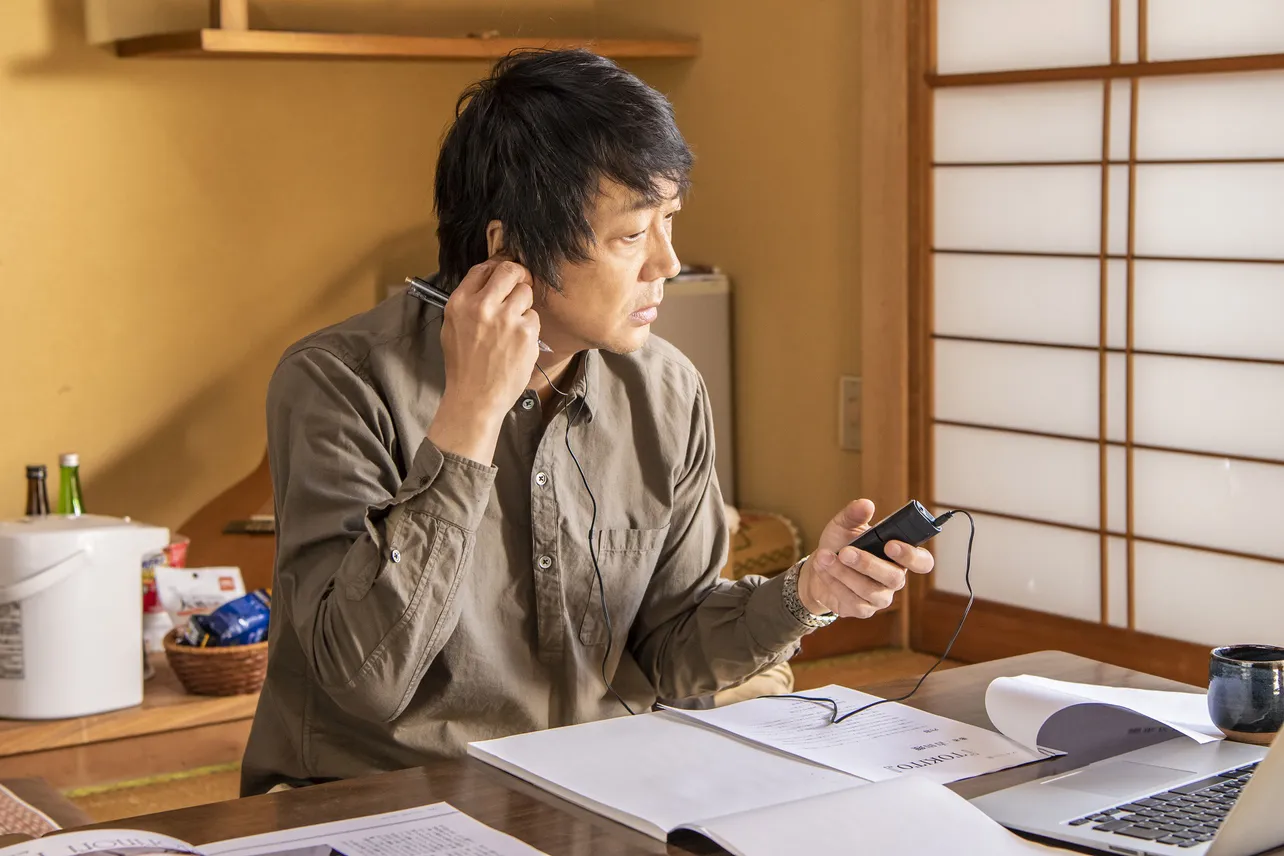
37 491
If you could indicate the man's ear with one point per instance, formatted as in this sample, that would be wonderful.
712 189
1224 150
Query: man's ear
494 238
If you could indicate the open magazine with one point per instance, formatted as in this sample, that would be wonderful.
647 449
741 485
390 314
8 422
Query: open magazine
431 830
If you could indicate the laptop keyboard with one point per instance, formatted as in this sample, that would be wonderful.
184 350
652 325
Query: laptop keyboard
1182 817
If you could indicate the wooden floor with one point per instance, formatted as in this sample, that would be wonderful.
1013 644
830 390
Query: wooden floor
215 784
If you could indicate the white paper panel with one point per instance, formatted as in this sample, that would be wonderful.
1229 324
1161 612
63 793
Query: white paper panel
1021 208
1209 502
1022 298
1206 598
1117 584
1038 477
1211 210
1120 118
1066 580
1222 309
1117 303
1117 397
1015 386
1117 216
1128 20
1209 406
1117 488
1211 116
1180 29
1040 122
988 35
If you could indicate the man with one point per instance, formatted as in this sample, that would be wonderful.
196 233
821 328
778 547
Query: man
478 538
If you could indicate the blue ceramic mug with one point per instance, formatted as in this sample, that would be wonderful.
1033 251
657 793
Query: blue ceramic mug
1246 691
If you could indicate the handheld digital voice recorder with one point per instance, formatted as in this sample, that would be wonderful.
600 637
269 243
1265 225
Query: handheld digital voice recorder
911 523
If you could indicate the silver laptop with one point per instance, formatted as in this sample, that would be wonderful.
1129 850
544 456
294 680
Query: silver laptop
1176 797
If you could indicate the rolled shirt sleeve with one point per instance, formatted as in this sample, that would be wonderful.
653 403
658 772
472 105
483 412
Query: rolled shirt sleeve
368 560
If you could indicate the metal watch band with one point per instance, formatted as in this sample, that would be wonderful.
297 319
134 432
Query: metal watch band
795 605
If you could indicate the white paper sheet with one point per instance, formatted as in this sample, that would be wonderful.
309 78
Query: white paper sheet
881 743
655 771
1074 717
908 816
432 830
1186 712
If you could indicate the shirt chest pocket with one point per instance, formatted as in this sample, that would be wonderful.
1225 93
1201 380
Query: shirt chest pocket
627 559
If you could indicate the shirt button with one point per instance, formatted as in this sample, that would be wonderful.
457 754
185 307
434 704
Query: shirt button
528 403
541 479
545 562
396 555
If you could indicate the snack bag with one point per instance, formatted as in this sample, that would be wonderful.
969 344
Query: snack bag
243 621
184 592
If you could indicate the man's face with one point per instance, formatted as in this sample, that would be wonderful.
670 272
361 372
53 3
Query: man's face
609 301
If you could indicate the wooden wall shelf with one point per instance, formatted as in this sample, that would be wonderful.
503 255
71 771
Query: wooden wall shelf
248 43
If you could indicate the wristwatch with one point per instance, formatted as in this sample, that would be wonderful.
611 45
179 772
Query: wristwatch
795 605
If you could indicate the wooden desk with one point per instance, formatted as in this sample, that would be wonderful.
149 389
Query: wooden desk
557 827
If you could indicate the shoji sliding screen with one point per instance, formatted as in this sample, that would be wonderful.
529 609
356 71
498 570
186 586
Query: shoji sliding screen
1101 360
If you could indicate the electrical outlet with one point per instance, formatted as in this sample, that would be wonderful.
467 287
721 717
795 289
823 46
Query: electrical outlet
849 413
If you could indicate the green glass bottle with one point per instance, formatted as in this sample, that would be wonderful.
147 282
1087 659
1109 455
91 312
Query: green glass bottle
70 500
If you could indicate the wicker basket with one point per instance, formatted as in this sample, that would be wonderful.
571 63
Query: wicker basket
234 670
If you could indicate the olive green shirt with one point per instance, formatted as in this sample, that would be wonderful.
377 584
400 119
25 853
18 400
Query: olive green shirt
422 600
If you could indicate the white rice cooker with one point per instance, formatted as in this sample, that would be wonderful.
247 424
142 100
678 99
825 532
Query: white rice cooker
71 614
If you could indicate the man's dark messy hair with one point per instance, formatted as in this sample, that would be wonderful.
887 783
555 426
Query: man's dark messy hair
529 147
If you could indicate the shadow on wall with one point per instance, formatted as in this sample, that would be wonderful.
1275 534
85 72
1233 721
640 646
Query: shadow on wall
72 23
182 441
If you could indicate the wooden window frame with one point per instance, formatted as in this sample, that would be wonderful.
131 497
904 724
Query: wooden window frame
995 629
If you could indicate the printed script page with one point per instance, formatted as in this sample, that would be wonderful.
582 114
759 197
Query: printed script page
881 743
432 830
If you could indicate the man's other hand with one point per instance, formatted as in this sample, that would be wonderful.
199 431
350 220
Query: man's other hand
851 583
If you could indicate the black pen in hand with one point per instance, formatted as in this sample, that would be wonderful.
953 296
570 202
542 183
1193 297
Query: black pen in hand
431 294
